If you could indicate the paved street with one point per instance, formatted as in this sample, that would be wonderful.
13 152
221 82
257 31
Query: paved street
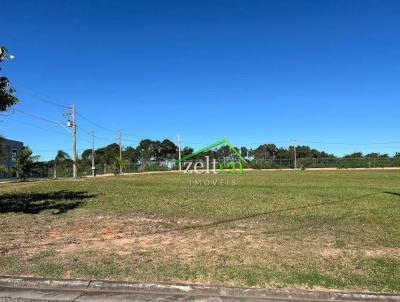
35 289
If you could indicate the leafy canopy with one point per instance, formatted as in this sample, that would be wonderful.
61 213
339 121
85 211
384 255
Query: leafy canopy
7 99
25 163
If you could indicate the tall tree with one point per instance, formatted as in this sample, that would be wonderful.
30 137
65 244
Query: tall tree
354 155
131 154
107 154
187 151
147 151
265 151
62 158
7 99
168 150
86 156
60 162
244 151
25 163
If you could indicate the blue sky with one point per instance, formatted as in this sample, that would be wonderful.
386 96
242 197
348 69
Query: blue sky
251 71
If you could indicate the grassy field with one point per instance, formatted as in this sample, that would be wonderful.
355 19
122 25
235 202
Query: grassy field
319 229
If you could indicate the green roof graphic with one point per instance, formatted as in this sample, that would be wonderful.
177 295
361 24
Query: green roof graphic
209 147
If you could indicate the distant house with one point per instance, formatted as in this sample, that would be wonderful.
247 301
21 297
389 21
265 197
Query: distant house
10 150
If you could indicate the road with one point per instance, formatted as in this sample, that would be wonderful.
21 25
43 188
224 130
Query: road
37 289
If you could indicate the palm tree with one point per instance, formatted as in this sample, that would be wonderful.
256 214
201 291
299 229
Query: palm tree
61 159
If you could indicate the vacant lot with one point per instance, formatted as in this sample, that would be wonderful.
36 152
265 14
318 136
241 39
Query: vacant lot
337 229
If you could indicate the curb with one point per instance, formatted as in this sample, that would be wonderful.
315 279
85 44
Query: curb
157 288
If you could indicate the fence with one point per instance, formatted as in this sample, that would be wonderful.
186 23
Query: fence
275 163
340 163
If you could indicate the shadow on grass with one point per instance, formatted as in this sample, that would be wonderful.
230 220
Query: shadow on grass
314 224
393 193
34 203
255 215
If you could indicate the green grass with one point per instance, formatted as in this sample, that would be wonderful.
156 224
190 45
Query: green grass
330 229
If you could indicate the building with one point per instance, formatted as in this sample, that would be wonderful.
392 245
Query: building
10 150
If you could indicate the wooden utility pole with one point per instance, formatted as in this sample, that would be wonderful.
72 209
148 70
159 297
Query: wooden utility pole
75 153
120 150
178 141
93 166
295 155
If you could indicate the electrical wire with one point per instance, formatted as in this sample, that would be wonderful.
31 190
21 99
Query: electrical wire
96 124
148 137
11 113
43 99
200 143
97 137
116 132
55 102
38 127
35 116
348 144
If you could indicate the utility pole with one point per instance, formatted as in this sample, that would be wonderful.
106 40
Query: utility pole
178 141
75 156
295 155
55 169
93 166
120 150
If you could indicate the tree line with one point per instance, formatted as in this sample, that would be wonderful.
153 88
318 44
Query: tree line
155 155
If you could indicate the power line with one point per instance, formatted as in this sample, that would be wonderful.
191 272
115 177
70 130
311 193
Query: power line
51 103
34 126
116 132
304 141
35 116
196 143
96 124
43 119
110 139
234 143
10 113
55 102
44 99
349 144
46 151
90 133
149 137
